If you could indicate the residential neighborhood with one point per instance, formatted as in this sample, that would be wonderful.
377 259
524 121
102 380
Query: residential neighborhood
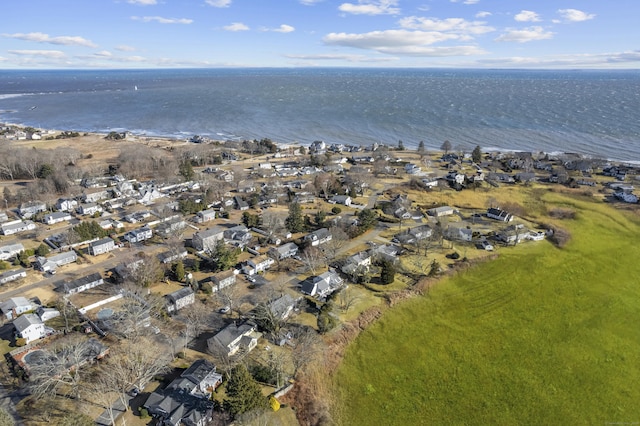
223 254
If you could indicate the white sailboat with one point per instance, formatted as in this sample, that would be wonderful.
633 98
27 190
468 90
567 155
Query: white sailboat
135 87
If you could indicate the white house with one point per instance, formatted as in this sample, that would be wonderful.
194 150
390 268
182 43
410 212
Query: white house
205 215
223 279
258 264
10 250
9 276
284 251
16 226
81 284
318 237
27 210
341 199
89 209
29 327
56 217
500 215
138 235
16 306
102 246
50 264
66 204
321 285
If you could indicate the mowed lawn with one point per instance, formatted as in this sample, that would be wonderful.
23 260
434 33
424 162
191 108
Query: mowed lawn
540 336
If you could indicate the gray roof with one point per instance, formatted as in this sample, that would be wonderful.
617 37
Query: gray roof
14 302
25 321
231 333
77 283
106 240
180 294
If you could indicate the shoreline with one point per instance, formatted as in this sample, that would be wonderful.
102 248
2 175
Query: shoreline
143 137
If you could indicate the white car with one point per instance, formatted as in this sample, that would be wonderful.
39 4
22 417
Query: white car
486 245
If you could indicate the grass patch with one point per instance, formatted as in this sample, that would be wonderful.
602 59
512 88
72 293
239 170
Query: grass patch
541 335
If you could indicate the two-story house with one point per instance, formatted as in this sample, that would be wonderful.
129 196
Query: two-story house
180 299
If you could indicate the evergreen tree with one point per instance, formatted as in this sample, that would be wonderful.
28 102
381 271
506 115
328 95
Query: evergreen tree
243 393
186 170
224 257
446 146
368 219
421 148
476 155
400 145
388 273
179 270
42 250
326 321
295 221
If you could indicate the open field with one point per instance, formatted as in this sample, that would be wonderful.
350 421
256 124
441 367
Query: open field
539 336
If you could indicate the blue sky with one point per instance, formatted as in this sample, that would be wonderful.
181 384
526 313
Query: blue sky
48 34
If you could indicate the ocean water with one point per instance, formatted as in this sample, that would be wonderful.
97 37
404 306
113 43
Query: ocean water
590 112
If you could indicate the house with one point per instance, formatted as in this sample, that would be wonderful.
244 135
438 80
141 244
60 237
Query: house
171 227
459 232
321 285
93 197
29 327
318 237
282 307
52 263
111 224
239 234
421 232
513 234
205 215
497 214
223 279
235 338
357 261
66 204
9 276
206 240
30 209
45 314
10 250
56 217
387 252
441 211
80 284
170 256
284 251
341 199
240 203
102 246
187 399
89 209
16 306
258 264
138 235
179 299
16 226
148 196
318 147
3 217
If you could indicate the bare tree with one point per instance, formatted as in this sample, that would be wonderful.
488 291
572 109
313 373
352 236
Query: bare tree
229 296
61 370
195 318
136 361
313 259
339 240
144 270
347 298
306 346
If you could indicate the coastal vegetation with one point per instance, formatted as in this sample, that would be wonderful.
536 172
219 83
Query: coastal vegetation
539 335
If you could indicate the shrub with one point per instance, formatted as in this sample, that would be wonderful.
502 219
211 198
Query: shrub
562 213
336 210
455 255
144 414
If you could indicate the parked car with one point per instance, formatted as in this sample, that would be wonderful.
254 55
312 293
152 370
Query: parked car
224 310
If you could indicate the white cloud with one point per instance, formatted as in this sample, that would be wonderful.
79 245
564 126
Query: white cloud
455 25
402 42
284 28
51 54
143 2
575 15
125 48
576 60
161 20
336 57
371 7
525 35
527 16
104 54
236 26
465 1
218 3
483 14
309 2
46 38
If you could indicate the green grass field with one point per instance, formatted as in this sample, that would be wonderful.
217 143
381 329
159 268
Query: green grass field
540 336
